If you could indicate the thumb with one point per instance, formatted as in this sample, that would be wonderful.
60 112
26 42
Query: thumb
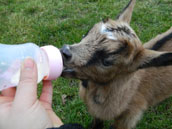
55 119
26 93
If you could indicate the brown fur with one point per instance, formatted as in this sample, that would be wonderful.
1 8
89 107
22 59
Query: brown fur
167 45
114 66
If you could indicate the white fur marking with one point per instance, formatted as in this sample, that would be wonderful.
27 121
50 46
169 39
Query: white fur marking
103 29
110 35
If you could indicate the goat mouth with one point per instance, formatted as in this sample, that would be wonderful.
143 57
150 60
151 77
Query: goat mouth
68 73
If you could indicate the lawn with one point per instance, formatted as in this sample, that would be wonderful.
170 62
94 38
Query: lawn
59 22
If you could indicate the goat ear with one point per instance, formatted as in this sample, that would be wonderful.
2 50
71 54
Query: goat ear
126 13
150 58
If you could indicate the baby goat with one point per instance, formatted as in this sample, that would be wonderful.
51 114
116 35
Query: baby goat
119 75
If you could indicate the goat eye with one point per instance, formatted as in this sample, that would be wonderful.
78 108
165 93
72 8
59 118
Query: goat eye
107 62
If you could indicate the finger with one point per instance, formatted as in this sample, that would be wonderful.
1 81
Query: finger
5 100
47 93
26 93
10 92
55 119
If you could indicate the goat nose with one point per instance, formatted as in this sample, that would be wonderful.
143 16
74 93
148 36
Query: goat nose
65 50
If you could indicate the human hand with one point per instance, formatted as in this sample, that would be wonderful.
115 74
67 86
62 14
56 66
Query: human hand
20 108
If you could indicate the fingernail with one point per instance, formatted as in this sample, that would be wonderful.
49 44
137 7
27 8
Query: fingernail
28 64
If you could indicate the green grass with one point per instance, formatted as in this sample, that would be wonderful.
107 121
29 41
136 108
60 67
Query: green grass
59 22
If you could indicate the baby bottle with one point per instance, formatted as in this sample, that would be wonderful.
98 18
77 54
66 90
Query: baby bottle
48 59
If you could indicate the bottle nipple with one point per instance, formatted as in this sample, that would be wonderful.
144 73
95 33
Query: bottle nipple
55 62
